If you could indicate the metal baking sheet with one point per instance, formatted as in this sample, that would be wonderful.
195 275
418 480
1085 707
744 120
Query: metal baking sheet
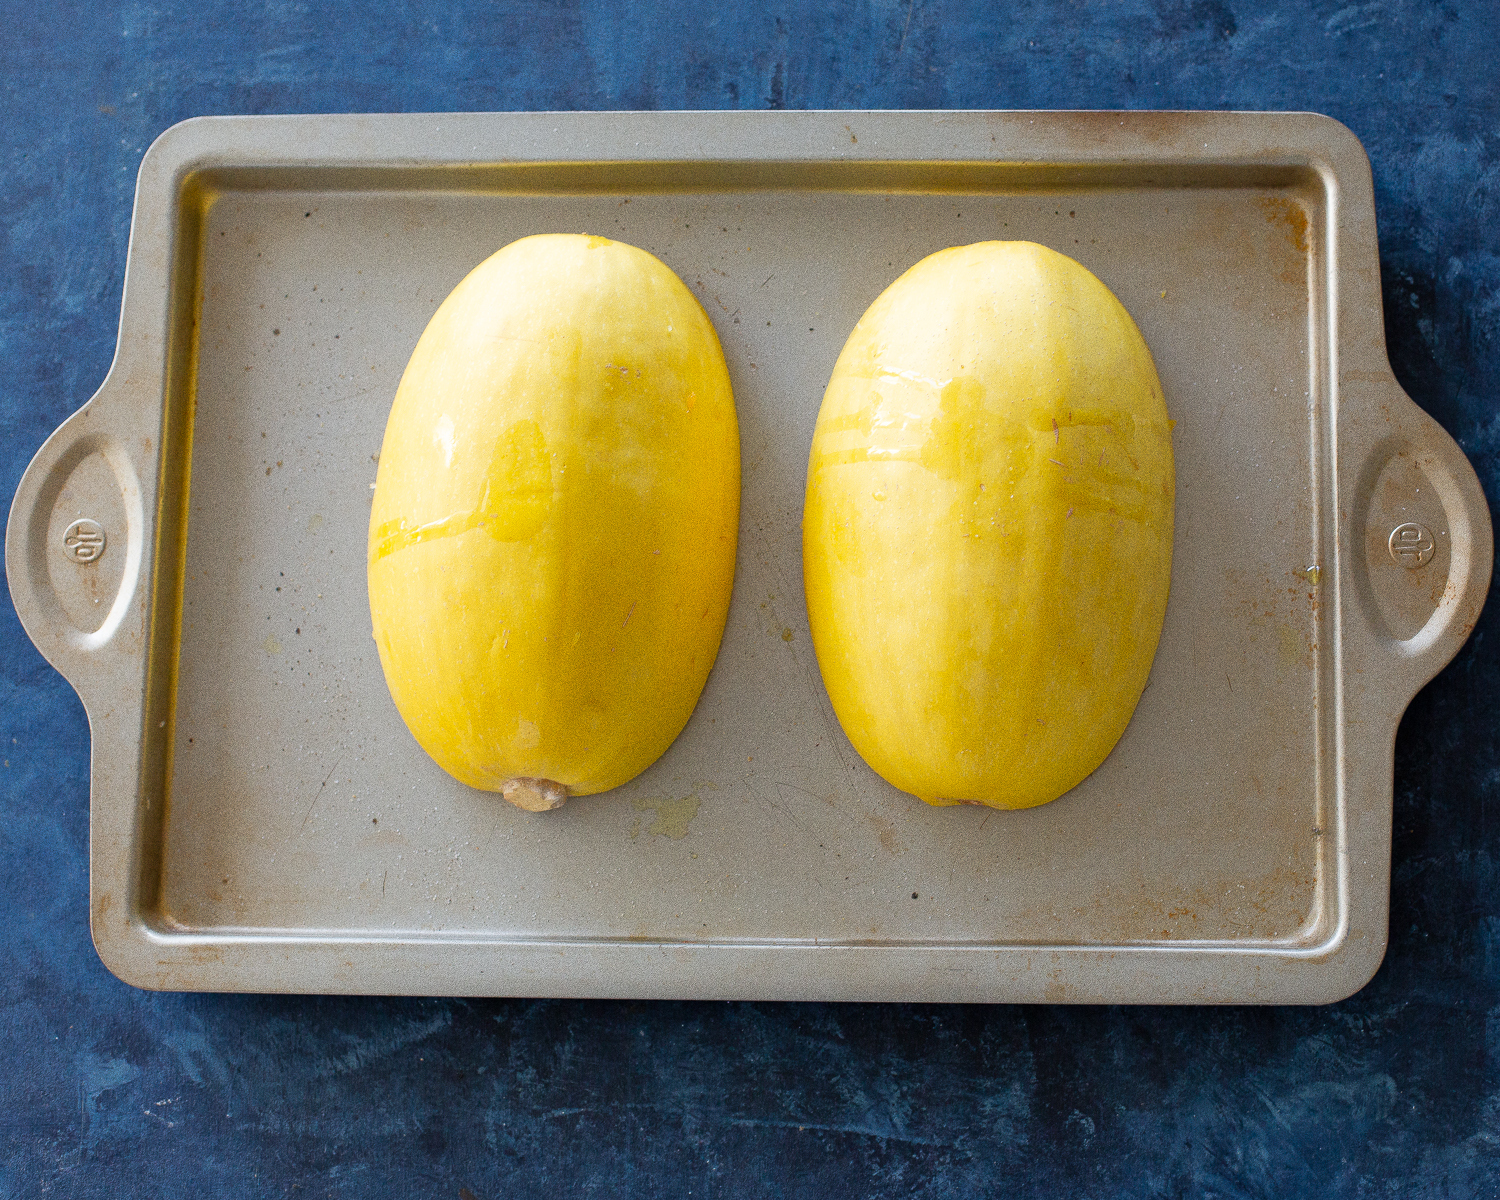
262 820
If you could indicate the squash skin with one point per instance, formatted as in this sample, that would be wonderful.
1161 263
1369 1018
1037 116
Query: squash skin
552 537
987 535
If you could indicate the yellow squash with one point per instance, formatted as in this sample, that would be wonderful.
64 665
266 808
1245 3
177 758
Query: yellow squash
552 540
987 538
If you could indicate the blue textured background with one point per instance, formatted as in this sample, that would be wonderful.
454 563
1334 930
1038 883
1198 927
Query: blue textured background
109 1092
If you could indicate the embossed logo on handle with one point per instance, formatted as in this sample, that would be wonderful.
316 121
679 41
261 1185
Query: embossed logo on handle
84 541
1411 545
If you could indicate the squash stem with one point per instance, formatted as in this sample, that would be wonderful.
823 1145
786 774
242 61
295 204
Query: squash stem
535 795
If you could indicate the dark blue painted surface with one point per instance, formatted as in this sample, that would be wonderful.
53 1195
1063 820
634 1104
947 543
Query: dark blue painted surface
109 1092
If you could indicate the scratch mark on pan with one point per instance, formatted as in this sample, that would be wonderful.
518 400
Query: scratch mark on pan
319 792
832 730
787 812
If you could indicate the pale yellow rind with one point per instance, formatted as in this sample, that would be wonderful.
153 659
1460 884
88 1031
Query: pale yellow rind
987 538
552 537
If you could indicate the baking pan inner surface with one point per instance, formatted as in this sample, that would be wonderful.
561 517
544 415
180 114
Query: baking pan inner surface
299 801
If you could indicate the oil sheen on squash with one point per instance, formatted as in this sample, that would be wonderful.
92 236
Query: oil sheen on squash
987 538
552 539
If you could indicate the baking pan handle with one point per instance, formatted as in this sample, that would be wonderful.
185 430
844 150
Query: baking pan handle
75 540
1424 546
